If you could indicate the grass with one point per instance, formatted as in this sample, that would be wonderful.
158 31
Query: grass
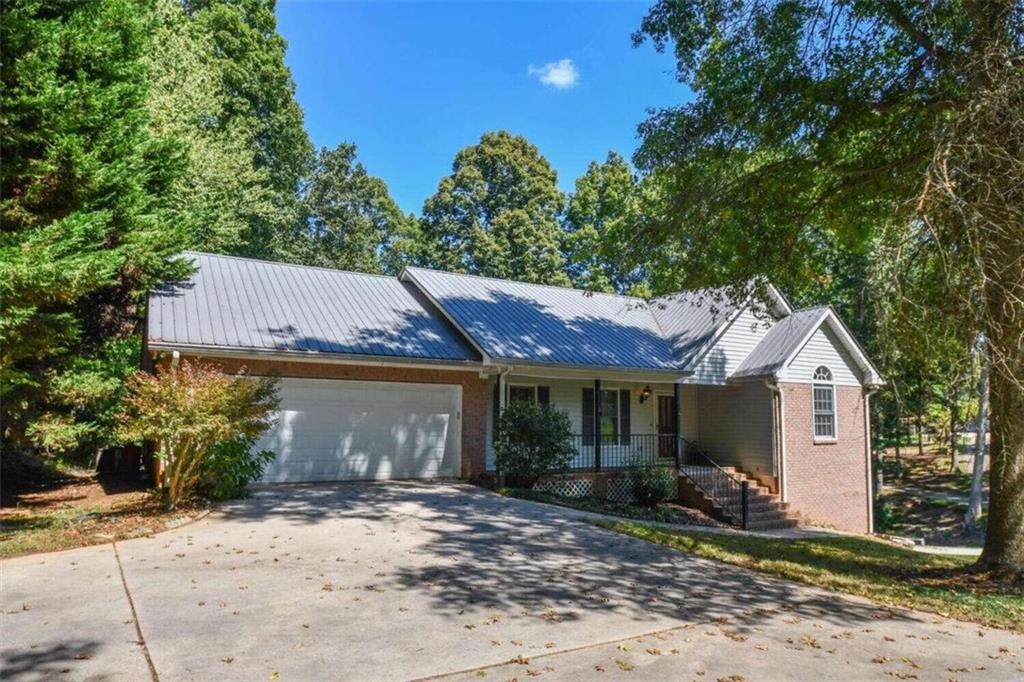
860 566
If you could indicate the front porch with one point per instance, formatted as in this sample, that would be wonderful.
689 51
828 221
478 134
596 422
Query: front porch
718 439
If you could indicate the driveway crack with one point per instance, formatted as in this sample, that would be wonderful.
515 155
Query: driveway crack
135 616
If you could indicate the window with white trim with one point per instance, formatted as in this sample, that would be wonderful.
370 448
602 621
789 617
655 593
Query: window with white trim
823 395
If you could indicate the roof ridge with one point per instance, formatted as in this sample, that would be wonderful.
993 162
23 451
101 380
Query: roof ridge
287 264
532 284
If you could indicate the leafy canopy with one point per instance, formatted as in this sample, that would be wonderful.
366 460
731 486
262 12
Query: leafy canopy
602 214
351 221
889 125
497 214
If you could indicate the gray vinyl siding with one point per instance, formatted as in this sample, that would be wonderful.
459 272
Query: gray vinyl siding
735 344
823 348
735 425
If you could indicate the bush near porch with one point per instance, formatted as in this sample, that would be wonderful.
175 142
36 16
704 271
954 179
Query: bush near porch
533 439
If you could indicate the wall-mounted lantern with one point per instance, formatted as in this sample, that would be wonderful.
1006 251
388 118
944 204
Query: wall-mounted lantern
645 394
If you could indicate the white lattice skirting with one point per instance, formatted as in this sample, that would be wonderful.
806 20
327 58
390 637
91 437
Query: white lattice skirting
566 487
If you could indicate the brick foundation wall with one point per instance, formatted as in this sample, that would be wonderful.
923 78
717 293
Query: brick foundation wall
827 481
474 392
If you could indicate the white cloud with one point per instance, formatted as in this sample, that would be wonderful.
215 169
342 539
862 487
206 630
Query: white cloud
561 75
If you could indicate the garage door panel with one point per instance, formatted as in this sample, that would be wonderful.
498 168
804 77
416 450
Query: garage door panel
342 430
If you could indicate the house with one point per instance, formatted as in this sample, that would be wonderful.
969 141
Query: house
387 377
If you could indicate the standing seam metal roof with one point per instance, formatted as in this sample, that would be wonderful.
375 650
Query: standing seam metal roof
548 324
241 303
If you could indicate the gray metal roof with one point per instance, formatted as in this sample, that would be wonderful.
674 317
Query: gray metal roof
549 325
780 342
690 320
238 303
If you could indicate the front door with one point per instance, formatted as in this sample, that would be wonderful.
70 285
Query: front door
666 426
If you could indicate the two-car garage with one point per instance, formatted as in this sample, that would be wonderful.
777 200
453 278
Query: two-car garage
335 430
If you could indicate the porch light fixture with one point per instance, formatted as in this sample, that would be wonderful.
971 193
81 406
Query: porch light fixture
645 394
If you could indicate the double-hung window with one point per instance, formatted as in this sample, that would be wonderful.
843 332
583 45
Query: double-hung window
823 395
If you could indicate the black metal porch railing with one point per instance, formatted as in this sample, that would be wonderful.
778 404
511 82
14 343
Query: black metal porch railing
616 452
729 491
619 452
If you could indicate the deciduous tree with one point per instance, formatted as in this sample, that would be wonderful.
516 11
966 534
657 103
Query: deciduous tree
852 120
497 214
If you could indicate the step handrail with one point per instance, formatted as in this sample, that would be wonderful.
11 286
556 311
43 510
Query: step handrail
730 492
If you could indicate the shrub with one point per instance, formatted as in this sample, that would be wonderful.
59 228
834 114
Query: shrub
652 484
200 419
532 440
232 467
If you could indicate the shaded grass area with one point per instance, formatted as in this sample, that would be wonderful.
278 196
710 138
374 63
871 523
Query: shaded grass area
861 566
92 522
664 513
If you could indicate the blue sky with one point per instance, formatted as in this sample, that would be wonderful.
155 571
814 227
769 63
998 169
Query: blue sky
412 83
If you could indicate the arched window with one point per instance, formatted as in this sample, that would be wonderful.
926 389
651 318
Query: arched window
823 393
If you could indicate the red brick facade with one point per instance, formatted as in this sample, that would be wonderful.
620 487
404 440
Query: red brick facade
474 393
827 482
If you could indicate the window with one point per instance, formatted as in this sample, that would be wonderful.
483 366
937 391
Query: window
823 396
609 424
527 394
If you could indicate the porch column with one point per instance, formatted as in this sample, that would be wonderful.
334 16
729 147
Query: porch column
597 424
677 391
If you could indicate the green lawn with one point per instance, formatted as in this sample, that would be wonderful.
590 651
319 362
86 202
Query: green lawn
861 566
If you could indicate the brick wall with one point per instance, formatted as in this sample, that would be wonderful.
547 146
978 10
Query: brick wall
474 392
827 481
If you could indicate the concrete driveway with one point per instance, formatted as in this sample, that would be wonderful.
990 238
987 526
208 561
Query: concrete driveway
410 580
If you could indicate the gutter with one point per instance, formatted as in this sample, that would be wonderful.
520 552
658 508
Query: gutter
311 356
772 385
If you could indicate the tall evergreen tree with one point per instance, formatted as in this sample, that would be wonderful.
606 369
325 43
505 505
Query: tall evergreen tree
350 221
86 227
497 214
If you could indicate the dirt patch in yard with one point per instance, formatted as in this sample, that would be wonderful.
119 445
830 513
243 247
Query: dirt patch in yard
61 510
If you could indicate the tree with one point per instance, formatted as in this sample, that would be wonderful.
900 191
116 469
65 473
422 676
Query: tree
351 222
497 214
860 121
973 512
225 192
196 414
600 218
86 223
255 108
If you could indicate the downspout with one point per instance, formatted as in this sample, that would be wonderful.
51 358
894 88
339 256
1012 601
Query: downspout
773 386
867 457
505 371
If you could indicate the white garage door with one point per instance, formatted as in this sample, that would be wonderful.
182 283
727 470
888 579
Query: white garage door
331 430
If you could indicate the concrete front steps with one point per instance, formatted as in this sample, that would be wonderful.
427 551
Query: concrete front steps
765 511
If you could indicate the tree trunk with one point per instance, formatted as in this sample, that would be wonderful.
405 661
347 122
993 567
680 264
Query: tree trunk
1004 537
974 505
954 415
920 436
